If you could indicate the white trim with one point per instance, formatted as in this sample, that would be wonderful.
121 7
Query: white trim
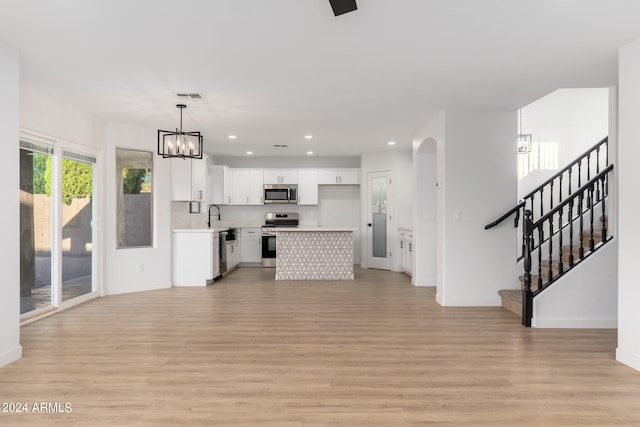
143 288
422 283
628 358
11 355
439 298
470 302
575 323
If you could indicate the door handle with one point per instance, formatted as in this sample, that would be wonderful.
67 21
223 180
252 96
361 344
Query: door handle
369 224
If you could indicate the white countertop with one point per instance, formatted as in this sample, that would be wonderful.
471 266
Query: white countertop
200 230
320 229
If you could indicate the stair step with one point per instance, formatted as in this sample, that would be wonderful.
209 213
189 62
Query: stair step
512 300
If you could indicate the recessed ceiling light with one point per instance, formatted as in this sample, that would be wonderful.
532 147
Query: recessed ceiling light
391 143
310 153
232 137
249 152
308 137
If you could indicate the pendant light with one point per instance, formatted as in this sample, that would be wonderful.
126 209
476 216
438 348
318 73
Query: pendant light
524 139
185 145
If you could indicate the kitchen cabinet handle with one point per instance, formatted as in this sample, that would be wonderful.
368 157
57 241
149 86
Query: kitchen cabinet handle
410 247
336 179
247 199
401 244
200 193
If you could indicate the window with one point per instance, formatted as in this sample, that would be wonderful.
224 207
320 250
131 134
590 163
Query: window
134 202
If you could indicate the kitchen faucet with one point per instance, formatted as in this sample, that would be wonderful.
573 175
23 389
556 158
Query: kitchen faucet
209 221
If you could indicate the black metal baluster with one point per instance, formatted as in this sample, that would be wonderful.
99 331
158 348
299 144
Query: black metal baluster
541 204
551 196
571 234
581 213
560 191
540 240
604 218
591 242
570 171
560 266
550 272
588 167
580 173
527 295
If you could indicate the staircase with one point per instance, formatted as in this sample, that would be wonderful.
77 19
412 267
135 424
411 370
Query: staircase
512 298
557 237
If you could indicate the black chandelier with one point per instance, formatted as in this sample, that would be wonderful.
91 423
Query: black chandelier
186 145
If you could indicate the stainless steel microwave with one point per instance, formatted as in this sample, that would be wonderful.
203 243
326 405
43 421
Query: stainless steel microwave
281 193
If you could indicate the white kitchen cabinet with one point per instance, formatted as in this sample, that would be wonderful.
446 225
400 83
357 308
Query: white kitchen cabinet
220 185
347 176
307 187
281 176
251 244
198 179
233 254
247 186
188 179
405 251
196 258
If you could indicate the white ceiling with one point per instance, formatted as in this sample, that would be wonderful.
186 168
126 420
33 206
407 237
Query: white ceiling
275 70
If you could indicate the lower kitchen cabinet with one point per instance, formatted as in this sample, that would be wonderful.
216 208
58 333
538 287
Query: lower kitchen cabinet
196 258
405 252
251 245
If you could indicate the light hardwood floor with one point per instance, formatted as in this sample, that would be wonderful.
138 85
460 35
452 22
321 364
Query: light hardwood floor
249 351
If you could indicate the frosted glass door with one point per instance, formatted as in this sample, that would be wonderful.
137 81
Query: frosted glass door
378 219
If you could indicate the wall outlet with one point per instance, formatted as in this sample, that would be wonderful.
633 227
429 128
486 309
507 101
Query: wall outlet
140 268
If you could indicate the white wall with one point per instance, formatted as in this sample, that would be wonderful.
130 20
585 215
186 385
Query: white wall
288 162
586 297
121 265
425 149
399 163
10 348
479 165
574 119
628 172
45 115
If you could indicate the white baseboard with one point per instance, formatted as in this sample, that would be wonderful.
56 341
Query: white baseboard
574 323
470 302
628 358
439 298
138 288
421 283
11 355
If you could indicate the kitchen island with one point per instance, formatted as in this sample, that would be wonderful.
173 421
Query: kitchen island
314 253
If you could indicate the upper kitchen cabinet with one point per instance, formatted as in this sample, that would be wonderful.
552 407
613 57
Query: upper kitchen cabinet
349 176
283 176
188 179
220 185
247 186
307 187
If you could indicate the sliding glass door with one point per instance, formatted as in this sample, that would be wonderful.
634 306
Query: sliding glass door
36 226
57 218
77 236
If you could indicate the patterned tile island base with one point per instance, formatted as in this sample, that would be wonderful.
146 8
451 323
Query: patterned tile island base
314 255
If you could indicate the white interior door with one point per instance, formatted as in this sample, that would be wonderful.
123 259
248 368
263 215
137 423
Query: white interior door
378 220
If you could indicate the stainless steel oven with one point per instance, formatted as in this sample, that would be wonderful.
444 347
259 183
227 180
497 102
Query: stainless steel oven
268 248
273 221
